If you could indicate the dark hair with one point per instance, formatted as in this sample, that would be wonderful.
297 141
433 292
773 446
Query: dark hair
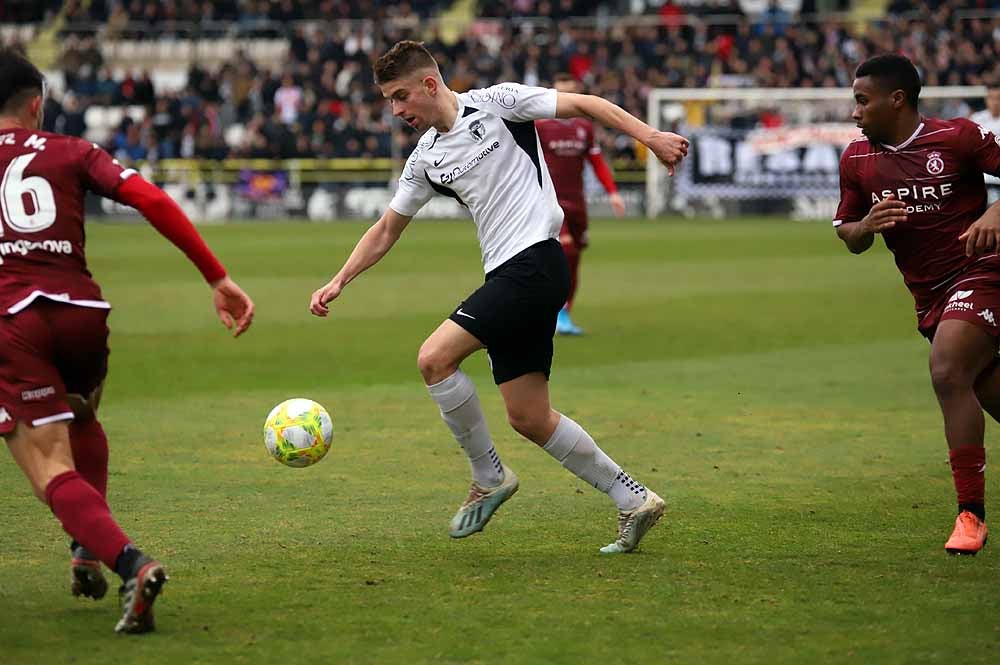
893 72
401 60
19 80
564 77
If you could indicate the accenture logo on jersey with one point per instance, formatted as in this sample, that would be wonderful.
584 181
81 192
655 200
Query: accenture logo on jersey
924 192
458 171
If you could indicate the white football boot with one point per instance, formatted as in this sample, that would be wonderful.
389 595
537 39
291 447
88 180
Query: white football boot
633 525
480 505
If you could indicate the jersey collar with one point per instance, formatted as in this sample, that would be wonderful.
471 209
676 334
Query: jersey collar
459 114
913 137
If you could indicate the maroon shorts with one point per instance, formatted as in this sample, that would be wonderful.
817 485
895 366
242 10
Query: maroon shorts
973 296
574 227
48 350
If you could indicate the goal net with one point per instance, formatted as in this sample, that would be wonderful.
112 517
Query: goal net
765 150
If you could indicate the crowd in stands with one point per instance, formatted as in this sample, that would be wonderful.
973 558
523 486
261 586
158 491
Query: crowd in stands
322 101
28 11
182 18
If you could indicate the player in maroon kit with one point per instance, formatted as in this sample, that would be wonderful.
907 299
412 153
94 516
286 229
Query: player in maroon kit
53 332
566 142
918 182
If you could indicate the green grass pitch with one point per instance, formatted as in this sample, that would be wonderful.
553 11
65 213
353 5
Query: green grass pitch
769 385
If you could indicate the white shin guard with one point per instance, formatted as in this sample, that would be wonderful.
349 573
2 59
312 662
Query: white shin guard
456 398
577 451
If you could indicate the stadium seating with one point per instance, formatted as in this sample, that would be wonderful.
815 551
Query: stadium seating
620 58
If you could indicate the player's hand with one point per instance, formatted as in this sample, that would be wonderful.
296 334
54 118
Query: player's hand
617 204
884 215
669 148
233 305
982 236
324 295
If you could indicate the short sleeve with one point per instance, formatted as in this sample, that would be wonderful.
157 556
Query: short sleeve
101 173
514 101
413 190
981 146
852 206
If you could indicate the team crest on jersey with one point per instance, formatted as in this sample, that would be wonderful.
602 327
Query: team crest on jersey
581 133
935 165
477 130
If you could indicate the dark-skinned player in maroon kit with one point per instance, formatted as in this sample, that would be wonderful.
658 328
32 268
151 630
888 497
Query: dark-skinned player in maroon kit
918 181
53 330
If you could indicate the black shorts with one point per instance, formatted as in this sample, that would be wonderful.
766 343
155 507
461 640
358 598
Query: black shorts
514 313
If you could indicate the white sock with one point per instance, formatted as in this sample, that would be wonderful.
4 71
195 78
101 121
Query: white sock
461 411
577 451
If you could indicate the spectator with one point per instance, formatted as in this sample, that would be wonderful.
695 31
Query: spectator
288 100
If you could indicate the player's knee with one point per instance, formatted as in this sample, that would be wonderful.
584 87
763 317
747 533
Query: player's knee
949 377
434 365
521 422
527 422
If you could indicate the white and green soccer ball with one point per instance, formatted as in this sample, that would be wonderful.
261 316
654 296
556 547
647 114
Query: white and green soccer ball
297 432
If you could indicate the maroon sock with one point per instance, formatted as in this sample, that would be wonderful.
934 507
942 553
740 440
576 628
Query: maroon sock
90 453
968 467
85 516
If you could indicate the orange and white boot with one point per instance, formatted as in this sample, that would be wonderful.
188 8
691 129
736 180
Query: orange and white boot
969 535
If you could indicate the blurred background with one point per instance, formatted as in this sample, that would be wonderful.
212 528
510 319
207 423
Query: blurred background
267 109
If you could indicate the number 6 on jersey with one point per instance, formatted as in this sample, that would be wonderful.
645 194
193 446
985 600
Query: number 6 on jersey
16 192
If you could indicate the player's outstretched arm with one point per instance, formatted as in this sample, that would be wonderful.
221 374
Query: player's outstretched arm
983 235
668 147
232 304
859 236
373 245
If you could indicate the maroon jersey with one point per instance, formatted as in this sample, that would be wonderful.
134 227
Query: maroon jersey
566 144
938 173
44 181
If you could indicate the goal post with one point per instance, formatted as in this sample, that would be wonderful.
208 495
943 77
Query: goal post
764 150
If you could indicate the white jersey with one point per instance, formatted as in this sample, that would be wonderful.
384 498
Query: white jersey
491 162
986 119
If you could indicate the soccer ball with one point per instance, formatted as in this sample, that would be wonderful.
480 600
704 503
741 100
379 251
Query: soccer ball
297 432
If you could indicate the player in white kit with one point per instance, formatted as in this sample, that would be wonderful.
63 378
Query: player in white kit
481 149
989 118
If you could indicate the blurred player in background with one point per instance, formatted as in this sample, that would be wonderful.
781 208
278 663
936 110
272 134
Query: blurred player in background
918 181
54 334
566 143
990 119
481 149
